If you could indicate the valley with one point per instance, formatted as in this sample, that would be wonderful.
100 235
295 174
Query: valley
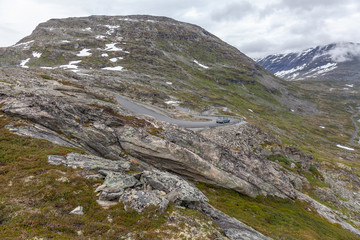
132 96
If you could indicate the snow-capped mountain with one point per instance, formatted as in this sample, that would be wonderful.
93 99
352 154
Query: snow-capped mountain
334 61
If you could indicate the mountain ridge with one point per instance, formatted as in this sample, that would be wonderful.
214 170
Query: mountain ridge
333 61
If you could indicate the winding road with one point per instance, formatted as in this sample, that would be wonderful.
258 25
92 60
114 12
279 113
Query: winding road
140 109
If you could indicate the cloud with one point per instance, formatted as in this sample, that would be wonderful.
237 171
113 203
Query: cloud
256 27
344 52
233 11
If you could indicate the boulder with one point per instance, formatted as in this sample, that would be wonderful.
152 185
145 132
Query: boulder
115 184
138 200
177 189
77 211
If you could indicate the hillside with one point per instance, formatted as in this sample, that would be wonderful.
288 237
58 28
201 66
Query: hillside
76 163
337 61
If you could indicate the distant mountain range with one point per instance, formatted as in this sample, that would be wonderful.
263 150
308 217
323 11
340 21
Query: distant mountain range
336 61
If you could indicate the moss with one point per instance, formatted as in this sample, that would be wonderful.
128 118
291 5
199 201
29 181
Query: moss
279 158
275 217
45 76
68 83
158 132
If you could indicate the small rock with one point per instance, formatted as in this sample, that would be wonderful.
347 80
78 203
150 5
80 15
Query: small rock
63 179
106 204
292 165
77 211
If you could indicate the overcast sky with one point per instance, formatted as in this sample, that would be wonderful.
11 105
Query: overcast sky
255 27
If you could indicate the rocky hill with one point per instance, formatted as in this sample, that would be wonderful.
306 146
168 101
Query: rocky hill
338 61
157 58
76 164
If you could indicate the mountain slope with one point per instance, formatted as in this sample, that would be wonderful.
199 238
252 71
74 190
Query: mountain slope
61 84
337 61
183 62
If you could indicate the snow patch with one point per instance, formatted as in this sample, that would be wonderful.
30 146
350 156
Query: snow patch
287 72
322 127
344 147
201 65
117 68
112 48
104 55
323 69
87 29
115 59
84 53
71 65
129 20
99 37
36 54
172 102
48 67
25 44
111 29
349 85
24 62
169 83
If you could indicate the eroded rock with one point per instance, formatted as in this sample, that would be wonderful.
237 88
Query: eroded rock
177 189
89 162
139 199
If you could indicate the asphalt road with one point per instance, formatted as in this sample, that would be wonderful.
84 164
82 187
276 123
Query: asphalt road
139 109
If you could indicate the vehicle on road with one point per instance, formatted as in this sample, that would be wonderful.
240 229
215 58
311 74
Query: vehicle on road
222 120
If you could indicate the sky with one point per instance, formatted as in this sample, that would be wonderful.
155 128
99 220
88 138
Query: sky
256 27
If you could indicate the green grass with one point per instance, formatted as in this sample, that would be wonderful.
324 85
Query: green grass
36 198
275 217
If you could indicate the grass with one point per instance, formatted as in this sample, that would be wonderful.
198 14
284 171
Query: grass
36 198
275 217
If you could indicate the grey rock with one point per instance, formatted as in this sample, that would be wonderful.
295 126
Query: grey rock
77 211
233 228
138 200
38 131
115 185
177 189
187 153
89 162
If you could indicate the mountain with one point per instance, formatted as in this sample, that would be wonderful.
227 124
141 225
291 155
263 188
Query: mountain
337 61
159 59
87 151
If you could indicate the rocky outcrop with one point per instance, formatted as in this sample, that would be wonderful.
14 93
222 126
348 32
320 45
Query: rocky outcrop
104 131
153 188
88 162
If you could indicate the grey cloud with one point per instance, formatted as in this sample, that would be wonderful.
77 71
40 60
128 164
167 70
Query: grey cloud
233 11
257 47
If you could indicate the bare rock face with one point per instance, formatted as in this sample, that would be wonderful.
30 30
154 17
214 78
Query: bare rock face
108 133
76 160
177 189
